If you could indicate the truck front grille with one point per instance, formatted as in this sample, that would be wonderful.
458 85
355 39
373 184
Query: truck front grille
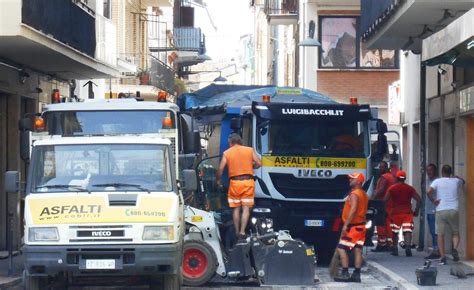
105 233
310 188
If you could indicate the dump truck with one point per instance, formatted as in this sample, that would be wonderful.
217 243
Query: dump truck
103 206
308 144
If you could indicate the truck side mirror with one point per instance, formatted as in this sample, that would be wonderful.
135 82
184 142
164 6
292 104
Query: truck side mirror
236 124
192 142
12 181
190 180
381 127
25 125
25 145
382 145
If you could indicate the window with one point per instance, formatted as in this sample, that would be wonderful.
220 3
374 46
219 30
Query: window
107 9
101 167
342 47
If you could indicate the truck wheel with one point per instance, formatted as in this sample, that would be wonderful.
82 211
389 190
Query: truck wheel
32 282
199 263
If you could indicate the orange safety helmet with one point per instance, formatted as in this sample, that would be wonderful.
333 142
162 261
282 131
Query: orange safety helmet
358 176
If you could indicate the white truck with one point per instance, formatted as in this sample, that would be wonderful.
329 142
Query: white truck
99 206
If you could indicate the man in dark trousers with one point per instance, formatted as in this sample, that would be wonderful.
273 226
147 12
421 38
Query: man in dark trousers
400 195
240 161
430 210
353 230
384 233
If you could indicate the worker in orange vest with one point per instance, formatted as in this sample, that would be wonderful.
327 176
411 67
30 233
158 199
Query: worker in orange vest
384 233
240 161
354 230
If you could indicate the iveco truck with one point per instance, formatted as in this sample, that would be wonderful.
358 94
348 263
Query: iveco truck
308 144
103 206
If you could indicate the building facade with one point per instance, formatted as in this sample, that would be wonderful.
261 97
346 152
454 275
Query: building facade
437 90
342 67
44 46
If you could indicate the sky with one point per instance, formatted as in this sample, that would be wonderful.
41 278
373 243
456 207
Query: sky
233 18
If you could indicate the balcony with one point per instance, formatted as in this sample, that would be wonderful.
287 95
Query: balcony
106 34
397 24
187 39
158 3
281 12
184 39
64 21
62 34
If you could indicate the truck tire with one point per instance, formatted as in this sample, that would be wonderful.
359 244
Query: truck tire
199 263
32 282
172 282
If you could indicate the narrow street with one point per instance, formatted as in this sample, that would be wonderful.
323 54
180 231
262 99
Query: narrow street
235 144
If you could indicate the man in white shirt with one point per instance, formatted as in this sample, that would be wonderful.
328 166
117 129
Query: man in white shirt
447 204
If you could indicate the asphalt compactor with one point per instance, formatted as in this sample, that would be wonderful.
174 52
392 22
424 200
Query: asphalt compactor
271 258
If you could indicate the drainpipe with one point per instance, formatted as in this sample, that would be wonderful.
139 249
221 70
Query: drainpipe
421 238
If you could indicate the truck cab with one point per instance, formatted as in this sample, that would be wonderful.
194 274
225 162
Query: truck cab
102 206
112 117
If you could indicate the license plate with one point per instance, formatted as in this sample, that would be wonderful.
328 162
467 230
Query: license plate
314 223
100 264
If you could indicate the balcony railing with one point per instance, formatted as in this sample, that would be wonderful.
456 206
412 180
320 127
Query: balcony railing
161 75
63 20
374 13
106 41
281 7
187 38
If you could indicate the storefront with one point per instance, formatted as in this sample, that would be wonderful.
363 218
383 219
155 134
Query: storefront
450 113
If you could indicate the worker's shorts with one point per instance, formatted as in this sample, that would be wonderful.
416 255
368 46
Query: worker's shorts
447 219
402 221
354 238
241 192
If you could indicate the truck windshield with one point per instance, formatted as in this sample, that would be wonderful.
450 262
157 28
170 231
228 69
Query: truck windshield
322 138
100 167
76 123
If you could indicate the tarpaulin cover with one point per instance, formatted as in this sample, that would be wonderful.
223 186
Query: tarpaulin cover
236 96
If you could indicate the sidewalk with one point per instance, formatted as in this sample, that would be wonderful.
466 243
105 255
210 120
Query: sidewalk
401 270
9 281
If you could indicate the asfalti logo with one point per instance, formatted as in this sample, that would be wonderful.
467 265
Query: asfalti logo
70 211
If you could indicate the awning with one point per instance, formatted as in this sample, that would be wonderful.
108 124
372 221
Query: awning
462 55
453 45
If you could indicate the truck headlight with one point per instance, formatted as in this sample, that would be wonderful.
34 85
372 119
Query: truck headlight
43 234
158 233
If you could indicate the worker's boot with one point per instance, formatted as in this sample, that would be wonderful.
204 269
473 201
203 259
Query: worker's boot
408 252
433 256
343 276
394 251
379 248
355 277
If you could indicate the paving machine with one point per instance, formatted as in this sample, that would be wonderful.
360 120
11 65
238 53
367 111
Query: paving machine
268 257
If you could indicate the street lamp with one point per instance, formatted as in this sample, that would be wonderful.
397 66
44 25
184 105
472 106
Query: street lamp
301 74
220 78
310 41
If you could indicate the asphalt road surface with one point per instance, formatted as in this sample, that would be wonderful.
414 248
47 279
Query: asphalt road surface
370 280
